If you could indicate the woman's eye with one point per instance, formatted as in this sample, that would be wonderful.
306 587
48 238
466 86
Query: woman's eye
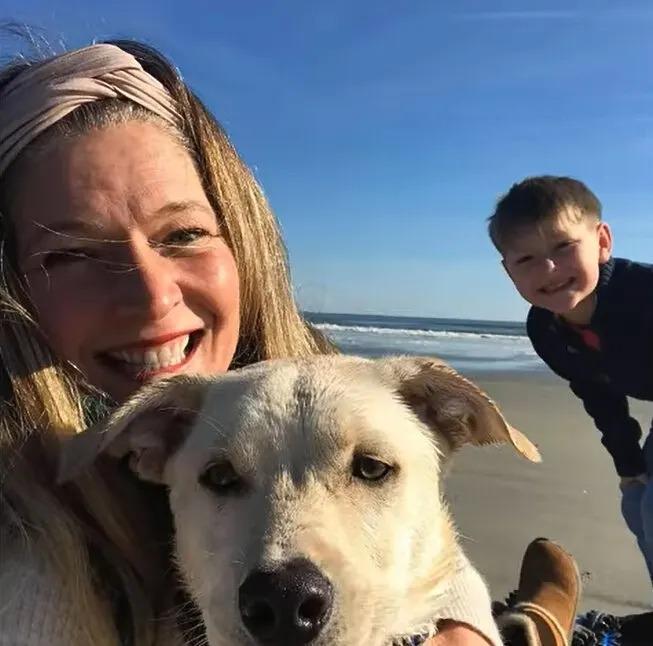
64 256
184 237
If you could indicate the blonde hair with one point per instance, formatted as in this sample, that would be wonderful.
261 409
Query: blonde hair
43 396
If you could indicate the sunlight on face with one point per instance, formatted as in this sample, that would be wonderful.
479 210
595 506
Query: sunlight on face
125 264
556 267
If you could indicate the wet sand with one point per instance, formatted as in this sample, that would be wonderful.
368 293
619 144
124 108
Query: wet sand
501 501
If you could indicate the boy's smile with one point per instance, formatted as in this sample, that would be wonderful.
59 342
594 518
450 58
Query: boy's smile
556 265
557 287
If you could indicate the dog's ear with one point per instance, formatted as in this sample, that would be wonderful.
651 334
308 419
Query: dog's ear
453 406
148 428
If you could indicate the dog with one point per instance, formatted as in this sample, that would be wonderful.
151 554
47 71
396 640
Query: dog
307 493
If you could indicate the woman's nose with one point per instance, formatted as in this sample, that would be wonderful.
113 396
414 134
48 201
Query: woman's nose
147 288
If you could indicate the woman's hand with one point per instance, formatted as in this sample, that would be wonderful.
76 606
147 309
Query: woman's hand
455 634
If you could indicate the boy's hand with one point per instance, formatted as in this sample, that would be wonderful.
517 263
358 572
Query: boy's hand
642 478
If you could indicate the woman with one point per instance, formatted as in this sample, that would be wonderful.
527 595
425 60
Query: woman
135 244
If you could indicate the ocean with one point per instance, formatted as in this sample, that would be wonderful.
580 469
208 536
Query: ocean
467 345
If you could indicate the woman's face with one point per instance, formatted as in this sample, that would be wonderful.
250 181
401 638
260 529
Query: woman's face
124 261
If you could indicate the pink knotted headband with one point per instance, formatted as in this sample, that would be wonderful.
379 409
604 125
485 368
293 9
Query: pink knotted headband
46 92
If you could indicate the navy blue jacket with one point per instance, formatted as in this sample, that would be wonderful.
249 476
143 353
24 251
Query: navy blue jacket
623 367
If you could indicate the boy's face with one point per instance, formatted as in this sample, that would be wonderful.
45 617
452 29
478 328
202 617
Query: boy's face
556 265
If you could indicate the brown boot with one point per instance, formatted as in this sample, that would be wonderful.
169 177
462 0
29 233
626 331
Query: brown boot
547 598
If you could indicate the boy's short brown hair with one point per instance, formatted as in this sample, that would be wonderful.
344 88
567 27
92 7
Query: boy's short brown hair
536 199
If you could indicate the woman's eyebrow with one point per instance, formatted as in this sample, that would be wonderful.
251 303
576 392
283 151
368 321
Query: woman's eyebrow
182 206
75 229
87 229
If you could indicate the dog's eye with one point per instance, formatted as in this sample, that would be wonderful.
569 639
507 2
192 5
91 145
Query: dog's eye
221 477
367 468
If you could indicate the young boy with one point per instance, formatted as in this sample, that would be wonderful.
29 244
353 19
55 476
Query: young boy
591 320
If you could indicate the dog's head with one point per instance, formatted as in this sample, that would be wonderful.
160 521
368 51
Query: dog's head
306 494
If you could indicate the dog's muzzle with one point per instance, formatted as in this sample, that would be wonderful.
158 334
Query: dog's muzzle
287 606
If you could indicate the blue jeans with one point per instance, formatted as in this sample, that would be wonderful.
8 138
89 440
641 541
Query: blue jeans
637 508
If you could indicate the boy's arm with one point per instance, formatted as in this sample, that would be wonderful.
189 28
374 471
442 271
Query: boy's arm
620 432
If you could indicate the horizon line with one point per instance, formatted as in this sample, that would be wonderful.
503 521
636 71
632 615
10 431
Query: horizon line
409 316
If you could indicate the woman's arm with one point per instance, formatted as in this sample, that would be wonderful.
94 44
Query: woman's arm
451 633
467 617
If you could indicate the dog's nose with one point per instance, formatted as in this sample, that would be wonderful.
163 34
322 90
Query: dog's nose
288 606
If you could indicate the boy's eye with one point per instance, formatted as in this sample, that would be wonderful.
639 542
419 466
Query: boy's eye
565 244
523 260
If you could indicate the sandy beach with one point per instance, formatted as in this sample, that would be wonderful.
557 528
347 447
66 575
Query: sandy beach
500 501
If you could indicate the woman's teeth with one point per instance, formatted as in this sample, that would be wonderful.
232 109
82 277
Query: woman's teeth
151 359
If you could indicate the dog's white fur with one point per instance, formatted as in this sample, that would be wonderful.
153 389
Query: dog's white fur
291 429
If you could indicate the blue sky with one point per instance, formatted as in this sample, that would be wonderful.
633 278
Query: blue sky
383 132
